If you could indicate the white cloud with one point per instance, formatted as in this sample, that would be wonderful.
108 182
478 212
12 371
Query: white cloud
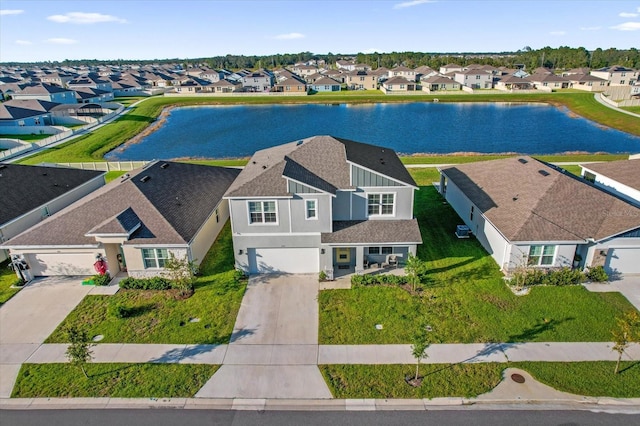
60 40
4 12
412 3
627 26
24 42
289 36
85 18
558 33
590 28
628 15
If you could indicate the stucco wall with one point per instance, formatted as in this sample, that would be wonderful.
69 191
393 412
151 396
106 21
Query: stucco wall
135 264
207 234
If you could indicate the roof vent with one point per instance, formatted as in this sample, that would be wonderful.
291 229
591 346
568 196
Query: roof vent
264 167
382 161
543 172
522 160
145 178
299 143
164 165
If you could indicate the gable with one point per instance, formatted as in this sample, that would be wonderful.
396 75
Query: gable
361 178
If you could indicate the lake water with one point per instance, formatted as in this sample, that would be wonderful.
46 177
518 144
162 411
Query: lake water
408 128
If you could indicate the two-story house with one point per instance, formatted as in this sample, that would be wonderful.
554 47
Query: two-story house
322 204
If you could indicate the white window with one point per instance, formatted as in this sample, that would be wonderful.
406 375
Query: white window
380 204
154 258
541 255
311 209
263 212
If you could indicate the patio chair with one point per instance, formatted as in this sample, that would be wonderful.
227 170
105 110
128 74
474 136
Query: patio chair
392 260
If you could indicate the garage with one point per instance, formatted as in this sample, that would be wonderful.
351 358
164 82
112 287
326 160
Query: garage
48 264
283 260
623 261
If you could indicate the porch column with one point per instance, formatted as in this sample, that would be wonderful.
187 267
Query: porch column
359 259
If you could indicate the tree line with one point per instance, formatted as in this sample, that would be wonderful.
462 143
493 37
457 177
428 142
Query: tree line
563 57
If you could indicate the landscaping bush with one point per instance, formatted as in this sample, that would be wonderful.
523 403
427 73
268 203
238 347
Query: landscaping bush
154 283
118 310
551 277
101 279
322 276
367 280
597 274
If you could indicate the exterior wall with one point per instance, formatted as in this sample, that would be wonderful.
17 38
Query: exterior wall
471 80
240 217
563 258
208 233
135 263
366 82
36 120
299 221
590 86
352 205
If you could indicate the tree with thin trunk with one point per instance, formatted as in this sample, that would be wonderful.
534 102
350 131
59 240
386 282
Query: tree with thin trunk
626 332
79 351
414 268
420 346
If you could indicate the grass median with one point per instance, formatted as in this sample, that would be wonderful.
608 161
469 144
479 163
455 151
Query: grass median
7 280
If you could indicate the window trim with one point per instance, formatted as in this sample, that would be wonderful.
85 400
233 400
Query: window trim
155 257
315 208
262 223
380 252
380 204
542 255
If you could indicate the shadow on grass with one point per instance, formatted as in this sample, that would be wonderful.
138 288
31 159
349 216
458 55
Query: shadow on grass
176 355
529 334
108 373
135 117
634 365
136 311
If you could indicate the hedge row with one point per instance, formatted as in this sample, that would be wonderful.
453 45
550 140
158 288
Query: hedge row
153 283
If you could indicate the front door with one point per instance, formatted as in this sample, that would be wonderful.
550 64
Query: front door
343 255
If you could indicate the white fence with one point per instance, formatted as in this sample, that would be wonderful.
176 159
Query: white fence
105 166
234 94
10 153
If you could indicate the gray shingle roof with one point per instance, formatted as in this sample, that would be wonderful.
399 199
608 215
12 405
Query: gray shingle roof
172 203
626 172
528 200
320 161
373 232
24 188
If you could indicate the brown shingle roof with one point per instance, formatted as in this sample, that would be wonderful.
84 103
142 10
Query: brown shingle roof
527 200
626 172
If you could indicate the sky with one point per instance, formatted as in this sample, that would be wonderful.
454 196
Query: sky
52 30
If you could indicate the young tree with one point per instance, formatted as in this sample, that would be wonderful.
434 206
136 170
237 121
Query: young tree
414 268
419 347
79 351
181 272
627 331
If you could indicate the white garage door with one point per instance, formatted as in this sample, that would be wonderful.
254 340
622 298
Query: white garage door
285 260
47 264
623 261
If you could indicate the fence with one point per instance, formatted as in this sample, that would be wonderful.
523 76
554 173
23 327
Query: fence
13 152
105 166
235 94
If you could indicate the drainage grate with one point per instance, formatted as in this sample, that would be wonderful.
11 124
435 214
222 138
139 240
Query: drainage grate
518 378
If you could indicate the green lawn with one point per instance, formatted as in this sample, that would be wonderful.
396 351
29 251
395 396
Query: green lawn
7 279
27 138
471 380
464 299
635 109
161 318
95 145
111 380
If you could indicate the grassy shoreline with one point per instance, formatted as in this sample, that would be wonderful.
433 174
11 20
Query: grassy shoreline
95 145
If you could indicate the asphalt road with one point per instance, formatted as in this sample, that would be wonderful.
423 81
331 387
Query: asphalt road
159 417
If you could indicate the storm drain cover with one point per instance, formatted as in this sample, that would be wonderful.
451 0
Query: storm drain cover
518 378
98 338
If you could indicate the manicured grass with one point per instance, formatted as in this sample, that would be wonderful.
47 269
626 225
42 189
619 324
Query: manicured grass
576 170
387 381
587 378
95 145
158 317
635 109
111 380
27 138
471 380
464 299
7 279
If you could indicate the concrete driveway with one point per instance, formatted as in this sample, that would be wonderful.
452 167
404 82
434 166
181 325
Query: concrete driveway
29 317
627 285
273 351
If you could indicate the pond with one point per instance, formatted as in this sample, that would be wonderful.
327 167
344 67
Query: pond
408 128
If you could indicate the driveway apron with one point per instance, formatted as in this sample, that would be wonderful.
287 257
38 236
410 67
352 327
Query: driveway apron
273 351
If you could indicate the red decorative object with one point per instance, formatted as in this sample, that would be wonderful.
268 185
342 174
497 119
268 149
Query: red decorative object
100 266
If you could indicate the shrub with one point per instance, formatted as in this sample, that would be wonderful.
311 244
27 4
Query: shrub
101 280
118 310
153 283
597 274
562 277
239 275
366 280
322 276
19 282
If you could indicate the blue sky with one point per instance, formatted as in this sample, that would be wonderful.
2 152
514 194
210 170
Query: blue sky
57 30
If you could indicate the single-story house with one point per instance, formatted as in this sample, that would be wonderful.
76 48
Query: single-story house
438 83
398 85
526 212
621 178
31 112
33 193
325 84
133 223
322 204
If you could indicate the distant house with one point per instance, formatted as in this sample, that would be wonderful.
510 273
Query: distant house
46 92
258 81
31 194
223 86
527 213
20 113
405 72
513 83
437 83
87 95
398 85
425 72
361 80
621 178
325 84
617 75
290 85
446 69
133 223
549 81
344 64
322 204
587 82
92 81
474 78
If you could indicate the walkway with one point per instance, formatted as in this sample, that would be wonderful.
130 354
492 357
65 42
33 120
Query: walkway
598 97
628 286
